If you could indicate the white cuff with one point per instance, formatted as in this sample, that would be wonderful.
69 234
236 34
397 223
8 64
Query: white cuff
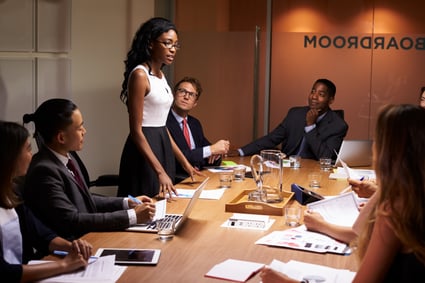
132 218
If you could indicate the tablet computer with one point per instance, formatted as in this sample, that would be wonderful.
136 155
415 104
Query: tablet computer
304 196
131 256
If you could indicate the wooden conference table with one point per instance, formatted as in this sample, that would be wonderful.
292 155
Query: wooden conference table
202 242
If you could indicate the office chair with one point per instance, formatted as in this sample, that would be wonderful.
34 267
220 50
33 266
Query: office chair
340 112
108 180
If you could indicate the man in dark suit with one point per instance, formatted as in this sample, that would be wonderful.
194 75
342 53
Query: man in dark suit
194 145
312 131
57 192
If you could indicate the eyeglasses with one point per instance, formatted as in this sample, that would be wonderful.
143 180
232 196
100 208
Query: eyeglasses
170 44
183 92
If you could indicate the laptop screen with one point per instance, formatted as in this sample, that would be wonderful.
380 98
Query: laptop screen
355 153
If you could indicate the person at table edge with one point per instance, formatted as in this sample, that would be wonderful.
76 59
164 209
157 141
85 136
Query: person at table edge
312 131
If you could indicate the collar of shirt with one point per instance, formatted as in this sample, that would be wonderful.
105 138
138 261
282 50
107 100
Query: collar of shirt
178 118
63 159
311 127
321 116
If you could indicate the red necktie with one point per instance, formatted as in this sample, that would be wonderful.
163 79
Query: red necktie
186 132
71 166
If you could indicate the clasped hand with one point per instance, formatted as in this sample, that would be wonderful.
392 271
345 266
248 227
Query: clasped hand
145 208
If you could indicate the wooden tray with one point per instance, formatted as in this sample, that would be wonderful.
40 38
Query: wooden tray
241 204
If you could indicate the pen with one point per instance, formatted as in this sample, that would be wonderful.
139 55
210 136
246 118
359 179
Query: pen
134 199
345 190
64 253
349 187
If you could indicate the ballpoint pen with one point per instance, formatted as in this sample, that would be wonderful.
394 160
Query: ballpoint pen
64 253
349 187
134 199
345 190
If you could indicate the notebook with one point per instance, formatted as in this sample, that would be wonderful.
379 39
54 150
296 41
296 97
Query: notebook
355 153
179 218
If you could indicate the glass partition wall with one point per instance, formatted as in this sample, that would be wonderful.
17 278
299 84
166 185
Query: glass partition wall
223 46
372 50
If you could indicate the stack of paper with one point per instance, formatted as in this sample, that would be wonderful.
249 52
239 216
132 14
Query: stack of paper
227 167
313 272
103 270
206 194
241 271
341 173
234 270
339 210
300 239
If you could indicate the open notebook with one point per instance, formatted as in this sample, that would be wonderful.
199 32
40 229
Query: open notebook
178 218
355 153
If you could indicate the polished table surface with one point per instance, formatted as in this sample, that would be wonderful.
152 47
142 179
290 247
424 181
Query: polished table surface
202 242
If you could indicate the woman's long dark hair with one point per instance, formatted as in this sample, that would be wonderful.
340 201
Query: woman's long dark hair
140 51
12 140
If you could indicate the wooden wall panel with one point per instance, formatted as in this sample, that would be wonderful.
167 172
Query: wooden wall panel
366 77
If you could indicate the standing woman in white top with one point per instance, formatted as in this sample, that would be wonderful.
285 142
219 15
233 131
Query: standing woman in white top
147 161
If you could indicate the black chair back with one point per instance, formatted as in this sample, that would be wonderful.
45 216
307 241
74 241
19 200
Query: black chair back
340 113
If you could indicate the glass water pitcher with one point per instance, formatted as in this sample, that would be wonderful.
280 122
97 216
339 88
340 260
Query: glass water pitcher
267 169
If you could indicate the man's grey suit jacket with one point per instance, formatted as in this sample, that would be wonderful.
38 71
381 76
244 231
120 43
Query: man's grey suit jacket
57 200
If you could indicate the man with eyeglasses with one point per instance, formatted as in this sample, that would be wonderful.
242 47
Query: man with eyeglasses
187 131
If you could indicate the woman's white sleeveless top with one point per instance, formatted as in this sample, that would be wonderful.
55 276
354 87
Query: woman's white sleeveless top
157 102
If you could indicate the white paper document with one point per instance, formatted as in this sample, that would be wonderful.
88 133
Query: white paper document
103 270
340 210
206 194
341 173
313 272
160 209
300 238
249 221
234 270
227 168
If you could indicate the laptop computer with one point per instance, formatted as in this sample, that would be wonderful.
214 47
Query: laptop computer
178 219
355 153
